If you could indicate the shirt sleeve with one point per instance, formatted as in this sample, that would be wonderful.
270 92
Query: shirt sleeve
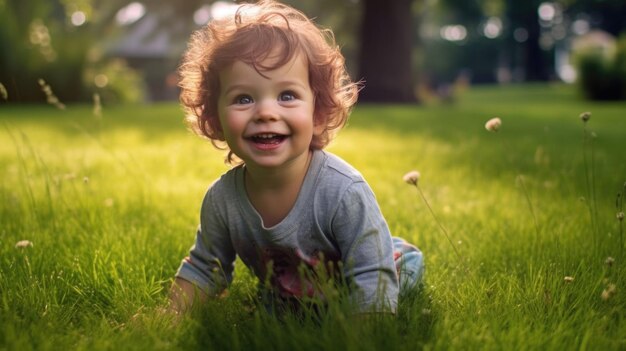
211 259
366 249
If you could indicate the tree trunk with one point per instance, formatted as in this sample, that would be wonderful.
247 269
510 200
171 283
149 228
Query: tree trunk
385 56
523 14
537 65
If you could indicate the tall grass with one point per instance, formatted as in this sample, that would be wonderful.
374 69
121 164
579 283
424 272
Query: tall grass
110 205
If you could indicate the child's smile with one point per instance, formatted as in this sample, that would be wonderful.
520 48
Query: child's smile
267 141
267 117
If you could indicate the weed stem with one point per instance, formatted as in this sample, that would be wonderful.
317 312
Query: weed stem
530 207
589 183
443 229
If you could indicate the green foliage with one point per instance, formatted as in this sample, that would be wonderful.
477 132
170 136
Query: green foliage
111 203
123 83
602 72
38 41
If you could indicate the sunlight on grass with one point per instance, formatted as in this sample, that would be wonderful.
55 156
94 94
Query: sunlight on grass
111 205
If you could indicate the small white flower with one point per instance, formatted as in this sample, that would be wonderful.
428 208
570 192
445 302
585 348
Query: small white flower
411 177
568 279
611 288
620 216
585 116
608 292
23 243
493 125
609 261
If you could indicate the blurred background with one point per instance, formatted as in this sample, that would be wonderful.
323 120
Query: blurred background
406 51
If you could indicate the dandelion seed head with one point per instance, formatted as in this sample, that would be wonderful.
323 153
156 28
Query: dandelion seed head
493 125
609 261
23 244
411 177
608 292
605 295
585 116
568 279
611 288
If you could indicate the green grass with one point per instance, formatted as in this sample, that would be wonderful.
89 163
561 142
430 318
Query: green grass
111 206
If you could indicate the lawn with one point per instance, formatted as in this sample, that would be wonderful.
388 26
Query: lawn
110 205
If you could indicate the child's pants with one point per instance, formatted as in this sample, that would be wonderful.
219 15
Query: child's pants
409 264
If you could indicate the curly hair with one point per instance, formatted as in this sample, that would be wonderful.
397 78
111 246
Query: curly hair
250 36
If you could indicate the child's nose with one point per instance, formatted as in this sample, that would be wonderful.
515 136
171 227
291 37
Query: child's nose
267 110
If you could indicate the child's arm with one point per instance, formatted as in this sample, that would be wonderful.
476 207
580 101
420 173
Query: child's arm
208 270
367 249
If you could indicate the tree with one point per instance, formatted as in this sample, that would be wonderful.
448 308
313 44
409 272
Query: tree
38 40
30 49
524 14
464 53
385 53
342 17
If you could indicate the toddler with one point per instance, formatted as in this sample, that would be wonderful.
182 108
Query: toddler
271 87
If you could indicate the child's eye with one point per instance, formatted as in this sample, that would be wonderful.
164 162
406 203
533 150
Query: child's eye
243 99
287 96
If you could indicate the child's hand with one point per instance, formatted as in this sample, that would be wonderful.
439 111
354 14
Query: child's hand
183 296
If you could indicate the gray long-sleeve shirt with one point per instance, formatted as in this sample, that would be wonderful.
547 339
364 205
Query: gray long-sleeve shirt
335 219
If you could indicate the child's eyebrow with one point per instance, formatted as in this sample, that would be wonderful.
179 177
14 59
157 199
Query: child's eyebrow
235 87
281 83
291 82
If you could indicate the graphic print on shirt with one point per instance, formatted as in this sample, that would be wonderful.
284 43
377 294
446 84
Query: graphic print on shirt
293 273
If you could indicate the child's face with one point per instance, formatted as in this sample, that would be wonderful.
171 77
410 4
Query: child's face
267 121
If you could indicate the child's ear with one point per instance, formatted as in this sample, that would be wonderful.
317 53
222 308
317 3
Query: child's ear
319 129
319 125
